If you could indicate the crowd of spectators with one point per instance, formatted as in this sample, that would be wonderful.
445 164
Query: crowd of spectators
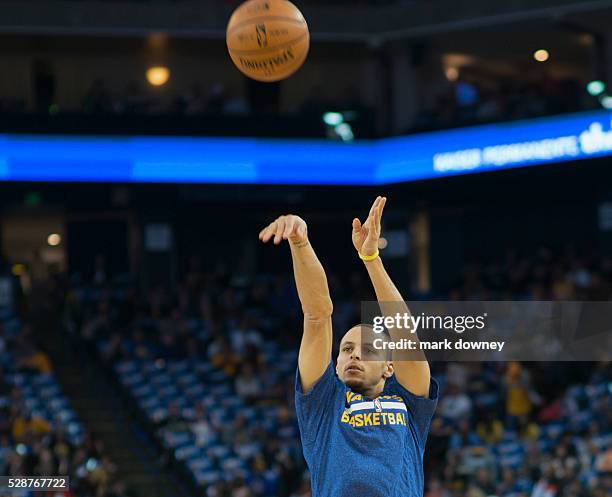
227 329
541 274
197 100
135 100
471 101
533 429
468 101
506 429
40 435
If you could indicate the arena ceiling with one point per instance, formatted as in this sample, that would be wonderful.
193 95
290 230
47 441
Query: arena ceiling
374 24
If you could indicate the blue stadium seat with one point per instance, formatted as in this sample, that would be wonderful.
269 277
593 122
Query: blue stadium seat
207 477
58 403
157 414
50 391
126 367
195 391
141 391
512 461
174 440
186 452
132 379
199 465
219 451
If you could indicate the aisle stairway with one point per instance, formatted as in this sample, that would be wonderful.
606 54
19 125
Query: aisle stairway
103 413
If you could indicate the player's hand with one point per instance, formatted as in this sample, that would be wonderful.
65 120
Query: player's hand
289 227
366 235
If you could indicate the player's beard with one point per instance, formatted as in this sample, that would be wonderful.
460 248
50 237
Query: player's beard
354 383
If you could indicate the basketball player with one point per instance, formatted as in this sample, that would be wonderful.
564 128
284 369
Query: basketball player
363 431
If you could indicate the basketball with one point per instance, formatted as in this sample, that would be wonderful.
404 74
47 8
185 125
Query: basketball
268 40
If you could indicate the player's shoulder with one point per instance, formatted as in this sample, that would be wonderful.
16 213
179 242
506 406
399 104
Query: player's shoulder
327 383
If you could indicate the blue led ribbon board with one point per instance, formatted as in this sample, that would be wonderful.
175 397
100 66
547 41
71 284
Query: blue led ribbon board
266 161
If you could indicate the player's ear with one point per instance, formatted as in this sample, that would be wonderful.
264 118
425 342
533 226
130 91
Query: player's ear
388 372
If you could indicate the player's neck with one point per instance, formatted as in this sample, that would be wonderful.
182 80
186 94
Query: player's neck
374 391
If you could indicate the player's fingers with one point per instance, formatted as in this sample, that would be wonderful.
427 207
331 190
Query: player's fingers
356 225
374 212
373 208
376 221
267 232
380 208
289 226
278 232
263 232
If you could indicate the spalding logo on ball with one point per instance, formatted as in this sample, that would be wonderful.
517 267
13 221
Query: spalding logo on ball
268 40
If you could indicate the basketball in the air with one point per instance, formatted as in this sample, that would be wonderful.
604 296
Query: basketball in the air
268 40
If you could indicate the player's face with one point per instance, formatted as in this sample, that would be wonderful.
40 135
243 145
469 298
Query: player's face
360 365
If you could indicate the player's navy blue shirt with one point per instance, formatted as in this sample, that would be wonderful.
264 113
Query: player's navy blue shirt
360 447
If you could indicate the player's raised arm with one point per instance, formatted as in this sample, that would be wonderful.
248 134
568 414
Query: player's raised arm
311 282
413 375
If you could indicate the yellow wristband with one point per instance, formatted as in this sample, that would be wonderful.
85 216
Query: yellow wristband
368 257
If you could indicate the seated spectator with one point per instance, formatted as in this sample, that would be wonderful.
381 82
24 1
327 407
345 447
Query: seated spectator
463 436
247 384
102 474
25 426
490 429
546 485
201 428
140 346
99 324
454 404
508 484
222 356
603 463
218 489
482 485
517 384
244 335
527 430
175 421
46 462
62 450
457 375
240 489
35 360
